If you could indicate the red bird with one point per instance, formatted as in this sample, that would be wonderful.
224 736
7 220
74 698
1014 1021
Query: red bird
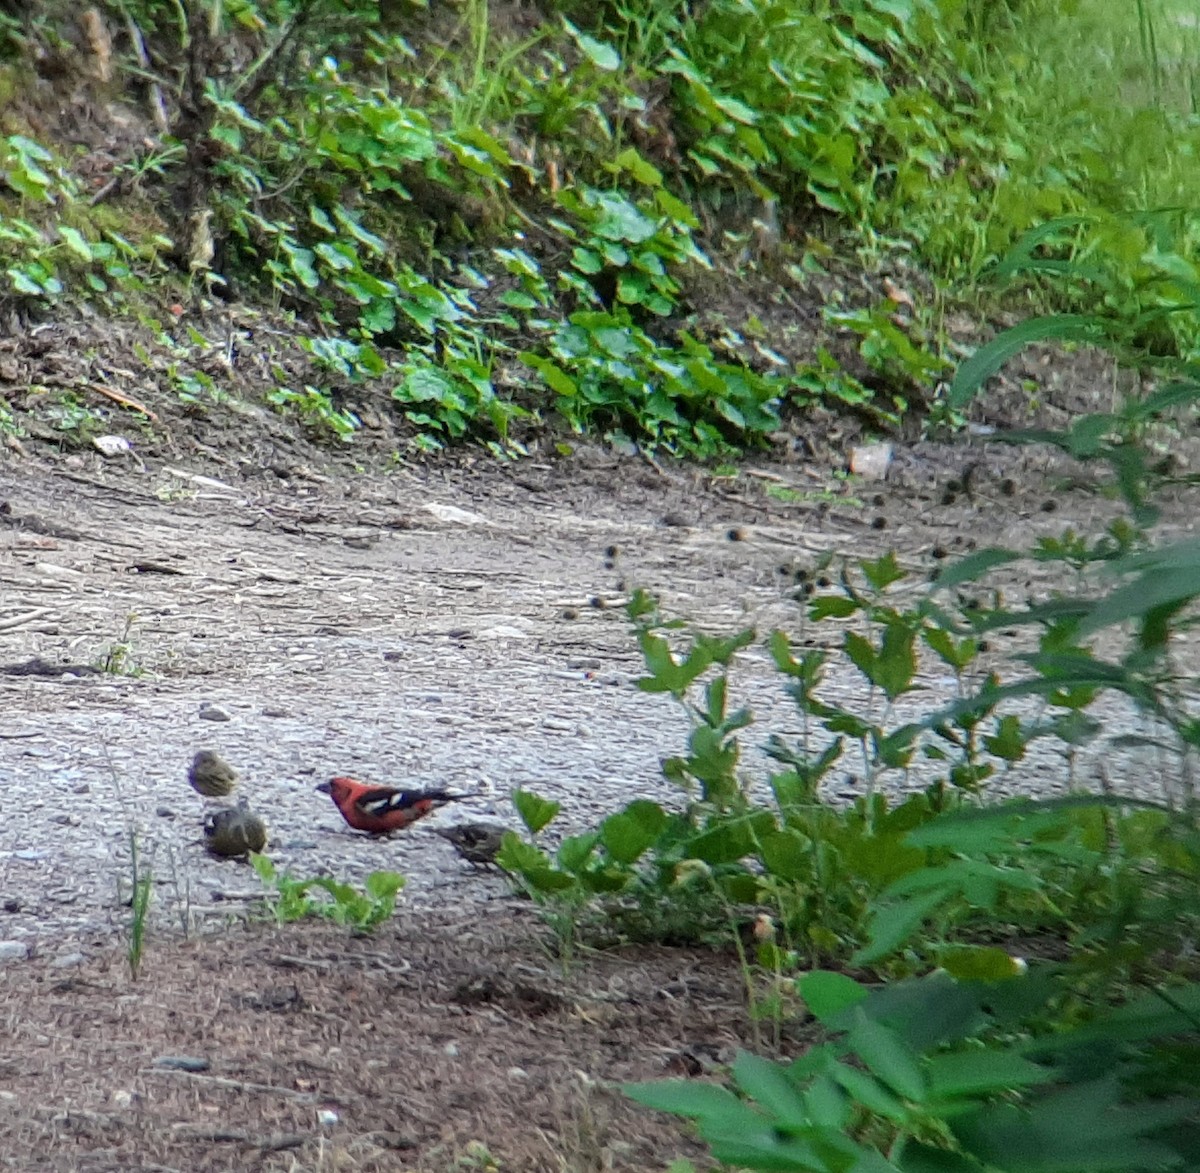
380 809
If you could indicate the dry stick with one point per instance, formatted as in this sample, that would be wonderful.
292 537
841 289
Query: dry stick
123 400
273 1142
237 1085
29 616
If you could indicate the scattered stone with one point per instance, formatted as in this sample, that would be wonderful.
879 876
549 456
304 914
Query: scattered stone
164 812
181 1063
453 515
68 961
29 856
272 711
122 1098
12 904
327 1117
393 657
111 446
211 712
13 951
871 461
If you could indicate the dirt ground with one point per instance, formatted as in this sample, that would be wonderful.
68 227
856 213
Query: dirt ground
458 623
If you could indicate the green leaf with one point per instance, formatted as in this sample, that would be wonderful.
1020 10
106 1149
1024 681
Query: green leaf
683 1097
74 240
870 1093
979 963
604 57
887 1057
974 566
535 812
827 994
1080 1128
788 855
768 1084
629 833
893 924
982 1073
575 850
988 359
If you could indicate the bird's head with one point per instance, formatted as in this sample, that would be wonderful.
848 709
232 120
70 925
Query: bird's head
337 788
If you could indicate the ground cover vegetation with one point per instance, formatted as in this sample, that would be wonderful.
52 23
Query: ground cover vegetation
489 218
503 220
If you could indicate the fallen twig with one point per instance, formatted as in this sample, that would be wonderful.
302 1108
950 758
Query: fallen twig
123 400
273 1142
236 1085
27 617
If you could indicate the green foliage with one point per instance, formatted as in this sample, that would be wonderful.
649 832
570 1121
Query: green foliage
142 890
440 199
938 1073
344 904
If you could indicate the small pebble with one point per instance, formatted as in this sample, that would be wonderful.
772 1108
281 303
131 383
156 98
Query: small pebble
13 951
164 812
273 712
68 961
213 713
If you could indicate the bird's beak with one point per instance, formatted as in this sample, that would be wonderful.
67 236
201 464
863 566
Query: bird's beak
325 788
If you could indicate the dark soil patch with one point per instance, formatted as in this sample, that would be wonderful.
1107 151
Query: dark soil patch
302 1048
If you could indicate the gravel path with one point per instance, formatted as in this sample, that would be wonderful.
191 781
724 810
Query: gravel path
444 626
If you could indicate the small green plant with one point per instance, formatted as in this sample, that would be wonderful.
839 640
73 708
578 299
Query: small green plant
362 909
118 659
141 890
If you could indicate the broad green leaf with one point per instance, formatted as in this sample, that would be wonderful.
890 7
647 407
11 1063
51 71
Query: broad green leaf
768 1084
575 850
893 924
535 811
887 1057
683 1097
979 963
982 1072
630 832
788 855
827 994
